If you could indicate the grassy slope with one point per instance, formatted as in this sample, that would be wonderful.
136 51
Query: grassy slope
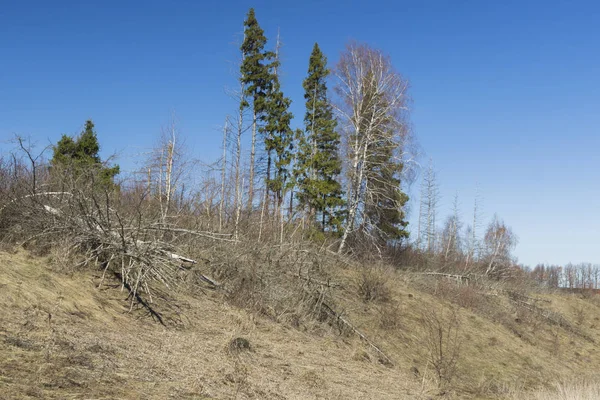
61 337
91 346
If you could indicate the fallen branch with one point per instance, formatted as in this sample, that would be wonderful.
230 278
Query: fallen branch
515 295
173 256
140 260
318 282
155 314
552 317
35 195
453 276
210 235
361 335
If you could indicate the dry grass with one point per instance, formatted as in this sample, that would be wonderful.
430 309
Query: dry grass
565 391
62 337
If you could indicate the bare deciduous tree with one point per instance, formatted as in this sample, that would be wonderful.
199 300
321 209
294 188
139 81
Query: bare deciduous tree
499 242
451 234
35 160
372 103
240 129
430 197
443 342
471 234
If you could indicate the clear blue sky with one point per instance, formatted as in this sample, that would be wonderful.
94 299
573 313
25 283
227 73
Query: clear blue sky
505 93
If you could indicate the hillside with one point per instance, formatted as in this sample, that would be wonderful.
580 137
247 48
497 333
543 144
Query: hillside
63 337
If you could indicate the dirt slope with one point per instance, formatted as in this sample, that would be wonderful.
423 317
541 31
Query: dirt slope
62 337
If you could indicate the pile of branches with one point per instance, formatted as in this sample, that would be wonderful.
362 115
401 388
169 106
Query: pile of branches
121 231
286 282
127 233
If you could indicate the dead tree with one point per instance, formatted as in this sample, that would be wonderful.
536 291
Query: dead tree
451 234
430 197
472 242
34 159
223 173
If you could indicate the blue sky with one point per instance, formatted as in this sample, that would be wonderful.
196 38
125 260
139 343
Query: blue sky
505 94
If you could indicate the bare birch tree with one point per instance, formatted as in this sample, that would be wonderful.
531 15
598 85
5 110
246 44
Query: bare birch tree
499 242
165 169
239 128
372 104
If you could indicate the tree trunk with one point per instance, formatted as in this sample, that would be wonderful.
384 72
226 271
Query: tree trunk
223 169
252 155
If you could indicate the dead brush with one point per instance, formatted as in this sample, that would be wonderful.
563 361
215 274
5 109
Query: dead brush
63 256
286 283
390 317
466 296
97 227
372 285
442 339
579 314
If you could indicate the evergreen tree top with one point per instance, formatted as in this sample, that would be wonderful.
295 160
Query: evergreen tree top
88 142
84 149
254 35
82 152
318 63
255 74
319 115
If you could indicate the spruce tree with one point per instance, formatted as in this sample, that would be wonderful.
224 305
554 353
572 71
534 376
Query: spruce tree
75 156
318 159
278 136
278 141
257 81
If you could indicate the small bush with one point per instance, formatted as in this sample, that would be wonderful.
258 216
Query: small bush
443 342
579 313
238 345
372 285
389 317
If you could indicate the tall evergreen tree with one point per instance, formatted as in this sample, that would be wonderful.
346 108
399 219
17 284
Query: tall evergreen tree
257 81
278 135
278 141
76 155
318 159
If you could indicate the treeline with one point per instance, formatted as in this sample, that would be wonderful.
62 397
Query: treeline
570 276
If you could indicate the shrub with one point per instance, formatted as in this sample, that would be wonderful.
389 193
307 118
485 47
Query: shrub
372 285
443 341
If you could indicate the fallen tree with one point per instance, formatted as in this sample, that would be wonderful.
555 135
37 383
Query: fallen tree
132 247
